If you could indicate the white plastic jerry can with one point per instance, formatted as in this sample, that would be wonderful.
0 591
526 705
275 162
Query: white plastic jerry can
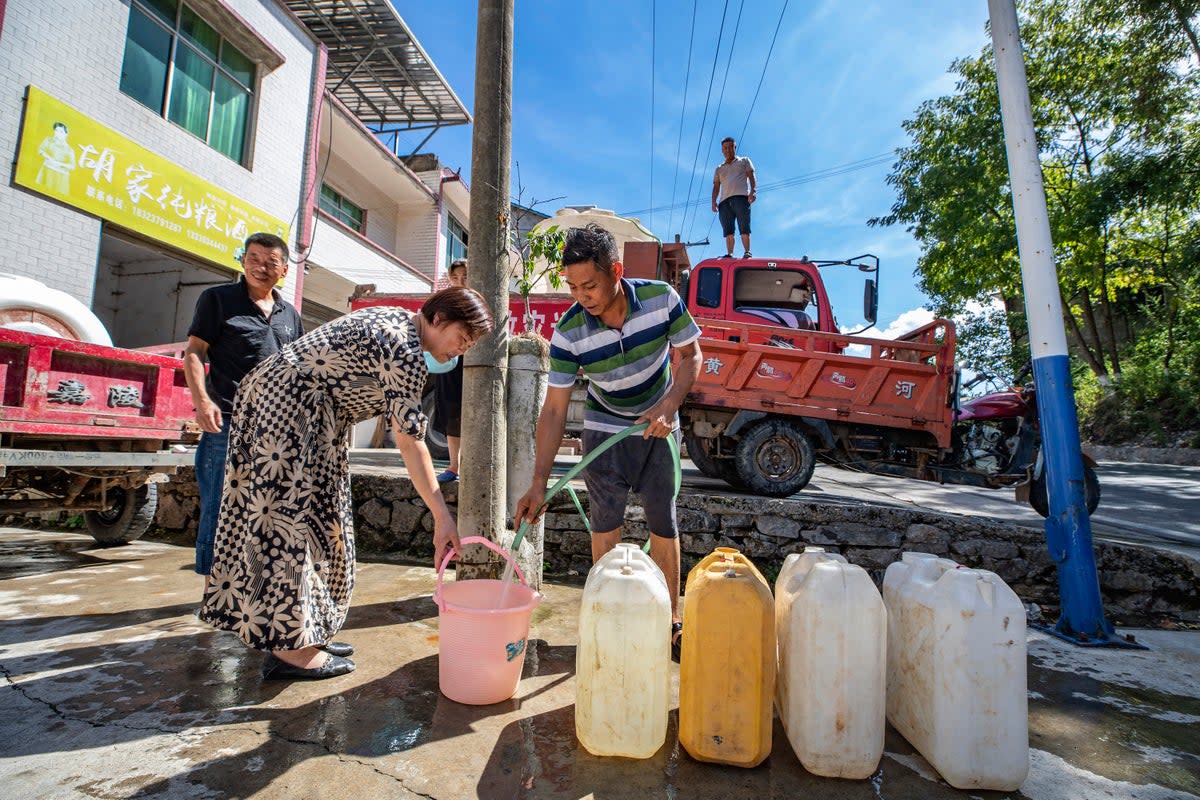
622 665
831 627
956 685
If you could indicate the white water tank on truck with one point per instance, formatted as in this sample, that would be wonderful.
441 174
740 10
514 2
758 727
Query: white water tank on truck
32 306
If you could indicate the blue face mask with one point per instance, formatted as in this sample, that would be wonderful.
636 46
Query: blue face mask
438 367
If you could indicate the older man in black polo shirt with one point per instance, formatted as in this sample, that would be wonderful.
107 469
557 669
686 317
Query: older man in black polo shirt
235 327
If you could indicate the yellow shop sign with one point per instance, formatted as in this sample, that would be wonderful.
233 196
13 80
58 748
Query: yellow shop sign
67 155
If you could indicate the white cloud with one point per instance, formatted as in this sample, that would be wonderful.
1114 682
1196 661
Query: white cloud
909 320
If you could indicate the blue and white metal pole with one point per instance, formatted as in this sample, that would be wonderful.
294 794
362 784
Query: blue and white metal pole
1068 529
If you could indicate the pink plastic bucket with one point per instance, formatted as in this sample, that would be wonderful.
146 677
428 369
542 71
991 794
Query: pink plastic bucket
482 647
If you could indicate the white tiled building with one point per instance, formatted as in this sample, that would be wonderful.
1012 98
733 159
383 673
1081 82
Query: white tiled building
258 108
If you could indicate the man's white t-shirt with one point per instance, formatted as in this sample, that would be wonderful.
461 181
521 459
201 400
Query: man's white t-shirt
734 177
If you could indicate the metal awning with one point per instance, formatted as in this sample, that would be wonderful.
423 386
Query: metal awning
377 68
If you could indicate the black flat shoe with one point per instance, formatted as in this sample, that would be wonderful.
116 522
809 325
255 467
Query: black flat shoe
276 669
676 641
342 649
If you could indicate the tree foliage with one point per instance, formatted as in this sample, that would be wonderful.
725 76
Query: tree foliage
1115 92
540 258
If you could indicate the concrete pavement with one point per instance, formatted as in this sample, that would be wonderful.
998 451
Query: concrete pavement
112 688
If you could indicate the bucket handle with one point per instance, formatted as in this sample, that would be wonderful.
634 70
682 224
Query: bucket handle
489 544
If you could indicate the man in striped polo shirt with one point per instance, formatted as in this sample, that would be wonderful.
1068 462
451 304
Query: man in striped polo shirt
619 332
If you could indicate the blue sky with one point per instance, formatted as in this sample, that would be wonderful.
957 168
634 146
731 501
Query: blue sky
841 78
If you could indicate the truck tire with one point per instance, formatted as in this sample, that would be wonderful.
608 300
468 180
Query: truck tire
775 458
127 519
697 450
1039 496
435 441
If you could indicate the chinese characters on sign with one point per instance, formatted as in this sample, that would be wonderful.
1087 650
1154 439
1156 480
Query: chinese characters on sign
905 389
124 397
70 392
66 155
542 313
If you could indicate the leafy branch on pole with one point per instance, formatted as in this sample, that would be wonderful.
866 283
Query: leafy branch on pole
540 257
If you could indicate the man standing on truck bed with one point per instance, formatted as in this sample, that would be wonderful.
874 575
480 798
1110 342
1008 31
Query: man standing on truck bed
735 183
235 326
619 332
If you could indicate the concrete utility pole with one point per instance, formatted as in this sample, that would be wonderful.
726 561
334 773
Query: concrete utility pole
481 496
1068 528
528 369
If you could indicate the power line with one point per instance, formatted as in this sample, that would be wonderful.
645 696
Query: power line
704 118
770 50
679 142
712 132
830 172
787 183
653 21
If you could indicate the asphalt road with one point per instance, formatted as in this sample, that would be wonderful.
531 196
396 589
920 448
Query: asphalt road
1155 504
1139 503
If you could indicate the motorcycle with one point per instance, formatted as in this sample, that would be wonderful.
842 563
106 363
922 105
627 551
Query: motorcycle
997 442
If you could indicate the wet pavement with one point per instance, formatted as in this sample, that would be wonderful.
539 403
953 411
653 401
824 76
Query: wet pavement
112 688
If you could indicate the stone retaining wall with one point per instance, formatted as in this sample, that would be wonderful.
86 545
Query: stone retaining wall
1182 456
1140 585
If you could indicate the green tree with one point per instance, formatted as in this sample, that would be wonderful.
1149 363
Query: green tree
1114 88
540 256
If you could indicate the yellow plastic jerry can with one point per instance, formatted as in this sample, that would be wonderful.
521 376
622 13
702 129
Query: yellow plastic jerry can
727 664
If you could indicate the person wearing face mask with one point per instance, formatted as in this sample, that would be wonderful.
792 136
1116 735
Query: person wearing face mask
283 567
447 395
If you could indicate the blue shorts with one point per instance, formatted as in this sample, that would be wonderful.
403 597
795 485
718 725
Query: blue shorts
634 464
731 208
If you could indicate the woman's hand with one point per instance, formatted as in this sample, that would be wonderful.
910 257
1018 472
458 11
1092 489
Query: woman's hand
445 535
420 470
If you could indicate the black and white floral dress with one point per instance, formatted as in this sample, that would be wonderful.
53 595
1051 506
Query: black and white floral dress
283 567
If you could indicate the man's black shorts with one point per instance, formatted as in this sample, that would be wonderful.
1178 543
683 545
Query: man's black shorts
731 208
642 466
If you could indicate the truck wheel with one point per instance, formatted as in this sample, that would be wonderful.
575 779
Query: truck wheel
127 519
775 458
697 450
435 441
1039 496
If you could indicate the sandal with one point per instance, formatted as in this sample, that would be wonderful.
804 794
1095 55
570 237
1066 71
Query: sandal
676 640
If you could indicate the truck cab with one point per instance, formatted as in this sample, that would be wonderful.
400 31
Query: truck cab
782 293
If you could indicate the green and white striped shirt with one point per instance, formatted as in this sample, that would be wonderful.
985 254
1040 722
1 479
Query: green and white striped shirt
628 369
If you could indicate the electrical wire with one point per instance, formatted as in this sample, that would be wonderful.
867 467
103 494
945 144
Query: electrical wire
786 183
712 132
830 172
704 117
653 22
679 142
296 257
766 63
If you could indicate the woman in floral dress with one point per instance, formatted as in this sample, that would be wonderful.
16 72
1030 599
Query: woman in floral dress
283 568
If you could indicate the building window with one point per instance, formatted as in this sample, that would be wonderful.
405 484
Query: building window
179 66
708 288
456 240
341 209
